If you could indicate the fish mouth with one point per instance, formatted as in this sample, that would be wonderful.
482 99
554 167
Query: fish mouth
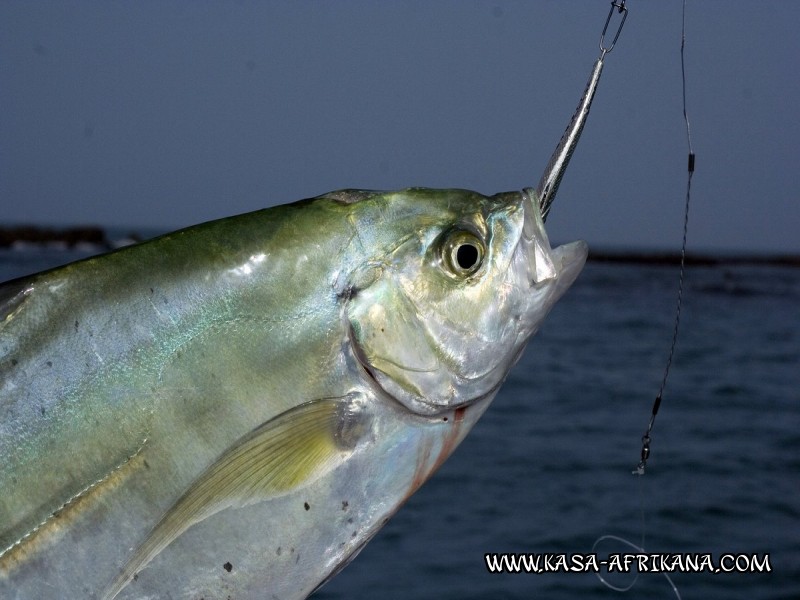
545 264
571 257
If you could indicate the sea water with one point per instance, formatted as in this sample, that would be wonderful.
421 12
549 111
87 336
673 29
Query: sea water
547 470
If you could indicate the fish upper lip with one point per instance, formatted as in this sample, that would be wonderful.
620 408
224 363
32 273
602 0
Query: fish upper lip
529 203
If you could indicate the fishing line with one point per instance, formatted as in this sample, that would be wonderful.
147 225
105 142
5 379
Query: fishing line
640 468
646 438
631 584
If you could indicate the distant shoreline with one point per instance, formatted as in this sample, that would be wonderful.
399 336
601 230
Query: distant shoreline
91 237
696 259
85 237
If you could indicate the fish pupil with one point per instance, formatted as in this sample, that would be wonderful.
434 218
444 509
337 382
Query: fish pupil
466 256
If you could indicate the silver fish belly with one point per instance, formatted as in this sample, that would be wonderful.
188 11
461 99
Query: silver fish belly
236 408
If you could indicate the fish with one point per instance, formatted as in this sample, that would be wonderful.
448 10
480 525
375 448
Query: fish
235 409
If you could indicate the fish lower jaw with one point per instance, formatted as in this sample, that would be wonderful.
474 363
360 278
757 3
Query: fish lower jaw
421 407
571 257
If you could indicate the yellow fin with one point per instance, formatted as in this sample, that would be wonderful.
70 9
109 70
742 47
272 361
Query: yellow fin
288 451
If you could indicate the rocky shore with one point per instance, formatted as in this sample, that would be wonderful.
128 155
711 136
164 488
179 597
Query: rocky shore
86 236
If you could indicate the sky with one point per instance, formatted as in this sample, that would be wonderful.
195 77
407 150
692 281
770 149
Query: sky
161 114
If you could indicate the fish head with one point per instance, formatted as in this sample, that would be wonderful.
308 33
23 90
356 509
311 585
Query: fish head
443 309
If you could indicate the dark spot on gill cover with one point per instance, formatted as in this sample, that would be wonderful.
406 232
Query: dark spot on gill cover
306 505
345 504
49 363
228 567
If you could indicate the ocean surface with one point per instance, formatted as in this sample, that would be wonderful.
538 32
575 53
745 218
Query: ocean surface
548 468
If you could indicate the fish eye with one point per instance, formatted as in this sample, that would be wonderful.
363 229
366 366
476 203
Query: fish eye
463 253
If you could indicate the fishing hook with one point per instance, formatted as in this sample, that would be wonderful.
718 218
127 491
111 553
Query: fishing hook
548 184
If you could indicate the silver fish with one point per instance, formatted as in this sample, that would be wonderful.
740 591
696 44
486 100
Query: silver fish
235 409
238 407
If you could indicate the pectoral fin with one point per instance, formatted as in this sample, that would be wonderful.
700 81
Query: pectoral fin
287 452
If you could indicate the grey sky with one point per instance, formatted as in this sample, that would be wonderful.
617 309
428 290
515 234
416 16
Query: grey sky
165 114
